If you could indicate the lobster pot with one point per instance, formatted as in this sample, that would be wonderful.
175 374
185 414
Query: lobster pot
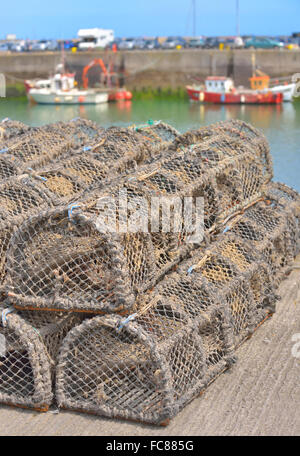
228 273
86 169
62 262
122 143
81 131
91 280
232 130
18 199
29 343
9 167
10 129
159 133
273 231
287 200
246 133
37 147
115 153
146 370
58 185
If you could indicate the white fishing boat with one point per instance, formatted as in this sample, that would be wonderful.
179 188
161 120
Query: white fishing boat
261 82
61 89
287 90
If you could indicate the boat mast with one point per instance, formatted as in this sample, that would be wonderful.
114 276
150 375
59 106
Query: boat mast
194 17
237 18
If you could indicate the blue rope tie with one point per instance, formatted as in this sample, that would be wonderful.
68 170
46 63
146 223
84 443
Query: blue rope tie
38 177
4 314
86 148
3 151
70 210
127 320
190 269
226 229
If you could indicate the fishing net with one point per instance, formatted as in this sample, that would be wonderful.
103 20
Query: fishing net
29 344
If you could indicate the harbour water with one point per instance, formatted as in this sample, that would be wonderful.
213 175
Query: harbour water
280 124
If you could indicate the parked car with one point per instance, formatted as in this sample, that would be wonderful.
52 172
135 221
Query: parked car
127 44
17 47
40 45
173 42
139 43
52 46
212 42
292 43
196 43
152 44
263 43
235 43
68 44
115 42
4 47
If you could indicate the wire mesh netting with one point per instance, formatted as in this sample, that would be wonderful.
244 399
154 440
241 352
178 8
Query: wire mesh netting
29 343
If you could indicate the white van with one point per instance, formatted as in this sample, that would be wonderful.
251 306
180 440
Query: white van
94 38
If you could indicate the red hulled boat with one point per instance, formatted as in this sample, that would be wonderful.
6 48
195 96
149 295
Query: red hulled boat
221 90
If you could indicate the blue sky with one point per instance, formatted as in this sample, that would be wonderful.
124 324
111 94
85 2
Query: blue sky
36 19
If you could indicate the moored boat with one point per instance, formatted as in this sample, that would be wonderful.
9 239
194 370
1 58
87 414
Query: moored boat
61 89
220 89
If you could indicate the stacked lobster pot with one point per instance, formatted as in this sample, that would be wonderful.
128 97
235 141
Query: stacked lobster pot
73 258
147 313
183 333
80 156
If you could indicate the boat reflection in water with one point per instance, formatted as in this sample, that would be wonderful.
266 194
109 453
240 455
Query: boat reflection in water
262 116
54 113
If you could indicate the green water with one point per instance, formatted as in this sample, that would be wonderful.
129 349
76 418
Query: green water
281 124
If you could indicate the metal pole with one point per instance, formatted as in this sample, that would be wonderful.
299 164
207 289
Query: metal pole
237 18
194 17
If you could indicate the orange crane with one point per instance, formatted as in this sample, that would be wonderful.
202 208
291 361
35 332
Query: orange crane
85 79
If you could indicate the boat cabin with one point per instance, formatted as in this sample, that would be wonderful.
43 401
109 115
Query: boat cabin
62 82
219 84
